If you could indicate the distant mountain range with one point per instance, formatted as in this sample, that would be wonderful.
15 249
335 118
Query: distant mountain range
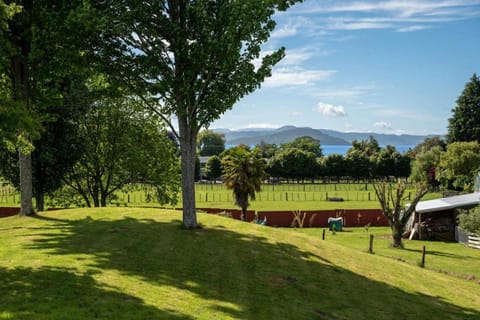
326 137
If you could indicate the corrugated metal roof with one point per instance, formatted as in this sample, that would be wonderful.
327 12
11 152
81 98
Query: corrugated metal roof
461 201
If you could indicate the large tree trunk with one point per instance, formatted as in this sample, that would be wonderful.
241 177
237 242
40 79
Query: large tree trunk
25 164
188 144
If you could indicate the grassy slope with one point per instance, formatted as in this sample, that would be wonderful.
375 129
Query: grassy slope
123 263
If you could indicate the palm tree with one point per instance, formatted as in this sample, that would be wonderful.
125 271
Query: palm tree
243 172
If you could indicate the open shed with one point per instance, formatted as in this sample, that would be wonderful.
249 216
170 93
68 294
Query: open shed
437 219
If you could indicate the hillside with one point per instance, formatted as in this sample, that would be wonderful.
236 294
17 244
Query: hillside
326 137
124 263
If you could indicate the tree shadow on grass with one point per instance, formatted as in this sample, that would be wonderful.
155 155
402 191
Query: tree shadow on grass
237 275
58 293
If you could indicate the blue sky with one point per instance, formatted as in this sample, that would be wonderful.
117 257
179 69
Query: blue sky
372 66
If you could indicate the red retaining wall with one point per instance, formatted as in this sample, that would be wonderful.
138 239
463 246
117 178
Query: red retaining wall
11 211
317 218
8 211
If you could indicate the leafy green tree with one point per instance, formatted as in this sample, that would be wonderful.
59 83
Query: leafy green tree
361 158
40 47
295 164
369 148
334 166
266 150
425 166
469 220
243 173
123 147
213 168
305 143
189 59
385 162
359 165
429 143
392 201
210 143
459 165
464 125
56 151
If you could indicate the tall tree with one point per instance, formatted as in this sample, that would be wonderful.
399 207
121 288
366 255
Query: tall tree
460 164
39 44
392 202
190 59
429 143
464 125
213 168
243 173
210 143
425 167
334 166
123 147
305 143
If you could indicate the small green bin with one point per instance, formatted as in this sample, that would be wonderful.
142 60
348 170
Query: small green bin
335 224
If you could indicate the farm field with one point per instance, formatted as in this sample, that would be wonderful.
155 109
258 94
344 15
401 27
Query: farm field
272 197
279 197
131 263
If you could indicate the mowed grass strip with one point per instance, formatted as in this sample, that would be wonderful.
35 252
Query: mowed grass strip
124 263
449 257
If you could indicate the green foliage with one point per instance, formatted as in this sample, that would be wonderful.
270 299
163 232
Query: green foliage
293 163
334 165
430 143
390 163
459 165
213 168
266 150
243 173
189 59
425 166
307 144
464 125
469 220
123 147
210 143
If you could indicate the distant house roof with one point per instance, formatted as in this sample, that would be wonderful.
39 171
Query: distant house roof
203 160
463 201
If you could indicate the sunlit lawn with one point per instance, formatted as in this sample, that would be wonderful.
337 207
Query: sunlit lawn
451 257
127 263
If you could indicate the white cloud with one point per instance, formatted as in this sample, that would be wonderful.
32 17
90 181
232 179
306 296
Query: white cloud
353 92
284 32
383 125
284 77
413 28
399 15
331 110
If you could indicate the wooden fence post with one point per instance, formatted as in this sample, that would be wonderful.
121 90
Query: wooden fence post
423 258
370 247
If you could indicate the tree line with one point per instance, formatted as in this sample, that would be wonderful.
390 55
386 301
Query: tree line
302 160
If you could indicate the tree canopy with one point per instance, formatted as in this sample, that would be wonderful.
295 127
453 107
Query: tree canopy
210 143
189 59
464 125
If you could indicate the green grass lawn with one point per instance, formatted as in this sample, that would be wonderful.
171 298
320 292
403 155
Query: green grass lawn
287 197
127 263
450 257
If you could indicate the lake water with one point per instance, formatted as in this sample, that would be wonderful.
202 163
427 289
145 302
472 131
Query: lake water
331 149
342 149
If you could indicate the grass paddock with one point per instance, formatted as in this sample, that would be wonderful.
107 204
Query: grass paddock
127 263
